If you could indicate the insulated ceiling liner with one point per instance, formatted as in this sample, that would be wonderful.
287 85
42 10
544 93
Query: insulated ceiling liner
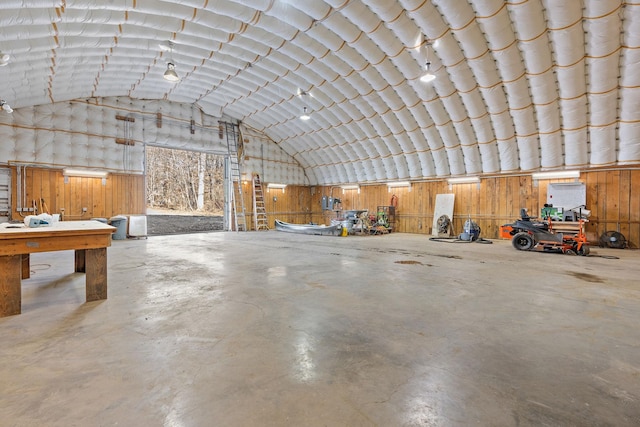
521 85
111 133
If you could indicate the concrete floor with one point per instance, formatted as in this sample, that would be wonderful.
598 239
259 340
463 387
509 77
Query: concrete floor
275 329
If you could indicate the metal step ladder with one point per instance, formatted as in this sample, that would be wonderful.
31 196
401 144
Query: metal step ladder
234 147
259 211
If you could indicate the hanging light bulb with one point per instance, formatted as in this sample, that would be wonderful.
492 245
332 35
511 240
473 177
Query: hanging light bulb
171 74
4 59
305 115
6 107
428 75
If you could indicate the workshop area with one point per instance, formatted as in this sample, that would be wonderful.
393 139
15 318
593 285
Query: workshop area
319 213
316 331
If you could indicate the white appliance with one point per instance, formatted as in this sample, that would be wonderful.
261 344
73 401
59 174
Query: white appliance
137 226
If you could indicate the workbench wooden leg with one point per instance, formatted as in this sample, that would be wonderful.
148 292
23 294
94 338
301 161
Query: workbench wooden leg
96 272
10 291
26 266
80 261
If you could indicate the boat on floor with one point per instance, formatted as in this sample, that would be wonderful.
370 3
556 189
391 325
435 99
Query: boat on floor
316 229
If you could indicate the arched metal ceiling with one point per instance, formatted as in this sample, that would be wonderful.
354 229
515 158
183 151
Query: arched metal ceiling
521 85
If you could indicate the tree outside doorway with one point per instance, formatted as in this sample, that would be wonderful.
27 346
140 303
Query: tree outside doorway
184 190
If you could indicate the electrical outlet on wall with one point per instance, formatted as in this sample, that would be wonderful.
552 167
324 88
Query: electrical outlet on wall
84 209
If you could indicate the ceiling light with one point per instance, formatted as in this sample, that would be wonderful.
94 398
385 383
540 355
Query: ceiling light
350 187
6 107
305 115
428 76
464 180
4 59
556 175
88 173
398 184
171 74
275 185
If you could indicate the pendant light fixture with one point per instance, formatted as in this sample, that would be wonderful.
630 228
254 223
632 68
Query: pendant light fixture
171 74
305 115
5 107
4 59
428 75
303 94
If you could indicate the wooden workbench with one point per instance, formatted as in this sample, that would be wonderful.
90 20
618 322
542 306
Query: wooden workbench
89 239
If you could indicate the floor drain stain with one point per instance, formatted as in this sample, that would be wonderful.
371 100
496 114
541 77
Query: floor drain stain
408 262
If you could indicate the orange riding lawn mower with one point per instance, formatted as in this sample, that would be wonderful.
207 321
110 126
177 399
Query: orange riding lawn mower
531 234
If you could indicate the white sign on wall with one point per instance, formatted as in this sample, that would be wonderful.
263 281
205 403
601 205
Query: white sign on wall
567 195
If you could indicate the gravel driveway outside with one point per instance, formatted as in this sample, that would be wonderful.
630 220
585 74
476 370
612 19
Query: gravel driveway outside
163 222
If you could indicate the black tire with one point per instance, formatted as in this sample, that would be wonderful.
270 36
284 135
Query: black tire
522 241
584 250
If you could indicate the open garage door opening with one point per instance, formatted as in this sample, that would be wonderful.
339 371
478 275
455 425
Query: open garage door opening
184 191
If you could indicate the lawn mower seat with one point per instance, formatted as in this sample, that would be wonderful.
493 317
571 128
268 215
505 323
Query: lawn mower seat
524 215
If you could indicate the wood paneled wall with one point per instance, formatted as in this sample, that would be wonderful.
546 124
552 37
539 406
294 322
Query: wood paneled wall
614 199
120 194
613 196
292 204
